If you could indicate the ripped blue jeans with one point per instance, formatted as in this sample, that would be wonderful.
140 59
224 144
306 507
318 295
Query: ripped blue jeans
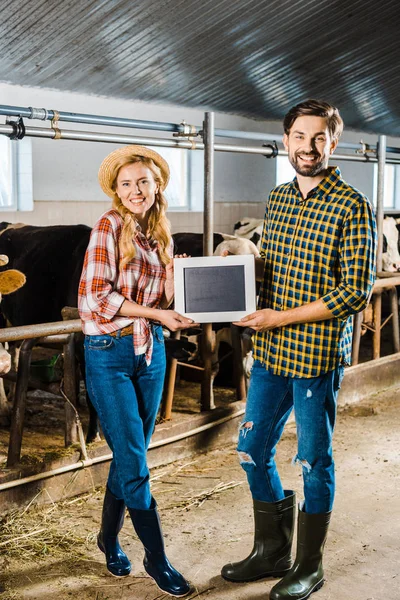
270 401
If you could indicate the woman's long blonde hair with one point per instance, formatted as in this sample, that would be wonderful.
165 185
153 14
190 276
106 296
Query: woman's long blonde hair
158 225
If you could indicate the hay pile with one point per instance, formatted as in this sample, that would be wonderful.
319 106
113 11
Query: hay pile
36 533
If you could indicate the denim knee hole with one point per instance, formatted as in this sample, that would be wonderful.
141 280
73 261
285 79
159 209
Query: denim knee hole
301 461
245 427
245 459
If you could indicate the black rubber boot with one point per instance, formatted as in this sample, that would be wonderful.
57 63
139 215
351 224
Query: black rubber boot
148 528
111 524
273 535
307 574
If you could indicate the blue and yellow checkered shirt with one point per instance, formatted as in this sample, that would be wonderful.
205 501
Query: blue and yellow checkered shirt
322 246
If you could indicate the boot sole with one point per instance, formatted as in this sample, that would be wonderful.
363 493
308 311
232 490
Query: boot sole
169 593
317 587
271 575
190 590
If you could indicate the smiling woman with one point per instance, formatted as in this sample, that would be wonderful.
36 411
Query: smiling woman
126 284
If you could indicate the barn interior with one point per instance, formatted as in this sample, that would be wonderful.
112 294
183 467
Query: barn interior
207 85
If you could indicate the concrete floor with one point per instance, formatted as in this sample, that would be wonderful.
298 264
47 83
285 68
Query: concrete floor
206 512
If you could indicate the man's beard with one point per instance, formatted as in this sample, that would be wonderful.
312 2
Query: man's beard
312 170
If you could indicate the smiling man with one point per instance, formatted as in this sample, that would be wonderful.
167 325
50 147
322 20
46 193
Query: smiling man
317 270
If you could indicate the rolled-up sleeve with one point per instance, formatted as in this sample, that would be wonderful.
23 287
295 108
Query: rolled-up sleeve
357 259
102 271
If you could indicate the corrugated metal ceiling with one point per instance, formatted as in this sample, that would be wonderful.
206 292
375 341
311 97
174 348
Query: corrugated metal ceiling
254 58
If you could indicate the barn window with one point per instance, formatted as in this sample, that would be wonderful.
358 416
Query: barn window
16 190
391 194
185 188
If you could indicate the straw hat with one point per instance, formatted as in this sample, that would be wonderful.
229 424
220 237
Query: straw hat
107 167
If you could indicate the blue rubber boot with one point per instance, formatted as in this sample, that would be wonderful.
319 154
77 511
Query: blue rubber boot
148 528
111 524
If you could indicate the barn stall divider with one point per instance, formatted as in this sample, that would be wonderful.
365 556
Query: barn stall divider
187 136
55 331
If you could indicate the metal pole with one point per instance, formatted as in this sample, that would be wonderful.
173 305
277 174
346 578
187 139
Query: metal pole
380 198
207 392
208 229
377 296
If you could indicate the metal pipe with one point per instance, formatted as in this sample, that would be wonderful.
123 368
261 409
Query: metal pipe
380 198
393 149
45 114
99 459
256 135
25 332
87 136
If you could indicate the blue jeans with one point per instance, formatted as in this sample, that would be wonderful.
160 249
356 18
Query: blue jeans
270 401
126 394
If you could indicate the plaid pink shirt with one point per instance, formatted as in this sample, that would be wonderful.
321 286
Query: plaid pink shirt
104 286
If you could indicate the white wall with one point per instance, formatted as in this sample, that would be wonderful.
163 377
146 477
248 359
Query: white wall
65 184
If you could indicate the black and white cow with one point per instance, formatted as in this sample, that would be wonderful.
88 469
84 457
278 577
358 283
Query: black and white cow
390 254
249 228
192 244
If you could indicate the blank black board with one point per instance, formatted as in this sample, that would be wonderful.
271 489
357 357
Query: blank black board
214 289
